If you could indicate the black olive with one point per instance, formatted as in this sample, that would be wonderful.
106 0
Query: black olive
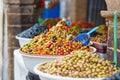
30 50
42 43
54 38
36 41
45 31
50 49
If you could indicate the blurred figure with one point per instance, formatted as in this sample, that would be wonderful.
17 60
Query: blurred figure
48 4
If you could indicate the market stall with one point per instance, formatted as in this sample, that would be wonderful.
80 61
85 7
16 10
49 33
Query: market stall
59 49
55 43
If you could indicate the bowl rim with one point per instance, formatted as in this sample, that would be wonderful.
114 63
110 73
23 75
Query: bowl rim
94 49
40 73
40 56
21 38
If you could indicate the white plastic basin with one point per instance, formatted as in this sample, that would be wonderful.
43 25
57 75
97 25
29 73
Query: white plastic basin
45 76
31 60
23 41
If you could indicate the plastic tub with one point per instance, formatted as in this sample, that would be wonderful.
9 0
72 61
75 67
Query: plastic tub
101 47
31 60
23 41
45 76
94 49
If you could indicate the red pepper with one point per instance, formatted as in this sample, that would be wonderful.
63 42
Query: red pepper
36 44
61 53
48 46
66 28
49 26
44 36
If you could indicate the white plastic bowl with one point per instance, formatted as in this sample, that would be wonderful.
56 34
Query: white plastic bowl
31 60
45 76
23 41
101 47
94 49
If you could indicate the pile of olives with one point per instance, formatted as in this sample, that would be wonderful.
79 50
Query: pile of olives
80 64
55 41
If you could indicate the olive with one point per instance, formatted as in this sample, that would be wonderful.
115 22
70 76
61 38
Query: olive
30 50
36 41
45 31
50 49
54 38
